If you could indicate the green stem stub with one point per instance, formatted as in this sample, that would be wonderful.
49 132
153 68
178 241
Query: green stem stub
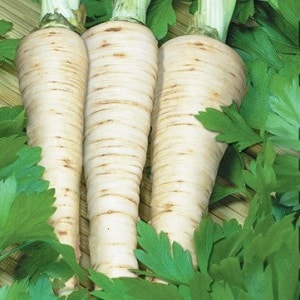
213 17
130 10
63 13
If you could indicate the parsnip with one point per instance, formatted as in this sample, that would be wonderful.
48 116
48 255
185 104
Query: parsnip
122 76
195 72
52 68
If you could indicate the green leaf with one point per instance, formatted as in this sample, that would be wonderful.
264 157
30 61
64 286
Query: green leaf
41 289
8 50
132 289
230 170
244 10
261 176
258 269
283 40
5 27
68 254
98 11
286 258
253 45
232 278
109 290
288 180
16 291
26 171
221 290
193 6
231 126
231 243
82 294
282 229
258 281
40 258
172 264
12 121
286 17
255 105
185 292
205 237
200 286
27 218
7 197
284 120
160 15
9 147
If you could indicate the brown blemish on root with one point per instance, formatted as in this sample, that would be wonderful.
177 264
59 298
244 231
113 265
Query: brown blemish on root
232 74
119 54
197 44
105 44
67 163
61 232
113 29
67 191
51 33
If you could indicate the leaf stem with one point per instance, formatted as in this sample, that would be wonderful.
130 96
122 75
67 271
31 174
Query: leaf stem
213 17
130 10
63 13
14 250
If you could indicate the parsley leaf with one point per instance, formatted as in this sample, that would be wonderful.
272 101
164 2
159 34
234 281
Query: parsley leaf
160 15
26 171
260 176
243 11
200 286
283 41
8 47
98 11
12 121
25 216
286 17
8 50
254 44
255 107
40 258
167 262
9 147
18 290
5 27
132 289
284 119
24 290
243 257
288 180
231 126
205 237
230 170
41 289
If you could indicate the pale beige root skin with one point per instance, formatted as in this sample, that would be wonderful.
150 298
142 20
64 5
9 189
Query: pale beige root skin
195 72
122 76
53 65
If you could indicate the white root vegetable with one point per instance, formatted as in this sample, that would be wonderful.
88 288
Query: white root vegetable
122 76
195 72
53 65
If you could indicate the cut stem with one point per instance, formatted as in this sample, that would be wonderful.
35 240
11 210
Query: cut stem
130 10
213 17
62 13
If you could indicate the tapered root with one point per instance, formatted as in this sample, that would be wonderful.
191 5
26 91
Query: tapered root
53 65
123 70
195 72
